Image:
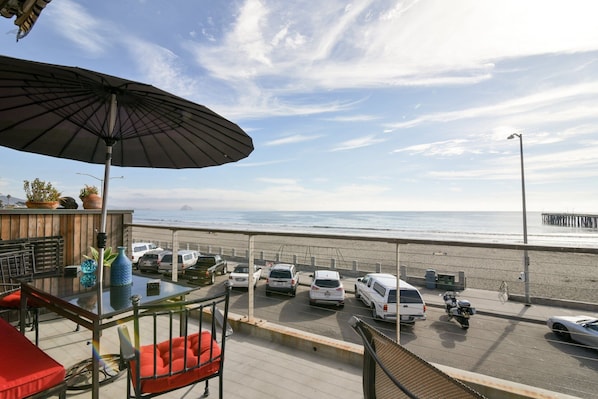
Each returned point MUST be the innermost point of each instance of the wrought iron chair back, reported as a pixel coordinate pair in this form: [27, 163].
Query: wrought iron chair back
[15, 267]
[175, 344]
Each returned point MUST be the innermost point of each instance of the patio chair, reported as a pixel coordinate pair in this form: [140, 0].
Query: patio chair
[391, 371]
[176, 344]
[15, 267]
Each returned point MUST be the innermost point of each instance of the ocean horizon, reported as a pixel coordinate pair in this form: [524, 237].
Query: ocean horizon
[495, 227]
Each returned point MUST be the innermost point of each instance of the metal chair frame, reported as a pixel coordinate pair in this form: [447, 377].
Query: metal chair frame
[15, 267]
[192, 316]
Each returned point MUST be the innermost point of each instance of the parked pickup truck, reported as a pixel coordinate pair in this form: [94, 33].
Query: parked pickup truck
[378, 291]
[206, 268]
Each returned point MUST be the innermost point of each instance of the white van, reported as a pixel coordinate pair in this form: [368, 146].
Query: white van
[378, 291]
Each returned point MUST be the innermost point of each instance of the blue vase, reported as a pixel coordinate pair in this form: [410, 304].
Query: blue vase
[121, 271]
[120, 297]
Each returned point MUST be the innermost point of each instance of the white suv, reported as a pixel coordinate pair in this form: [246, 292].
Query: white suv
[185, 259]
[327, 289]
[283, 278]
[378, 291]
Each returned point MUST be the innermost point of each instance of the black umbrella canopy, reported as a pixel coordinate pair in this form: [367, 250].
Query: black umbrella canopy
[78, 114]
[65, 112]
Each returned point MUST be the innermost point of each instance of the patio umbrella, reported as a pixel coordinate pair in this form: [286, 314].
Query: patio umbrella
[78, 114]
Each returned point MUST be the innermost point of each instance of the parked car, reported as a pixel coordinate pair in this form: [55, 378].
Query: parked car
[139, 249]
[206, 267]
[581, 329]
[378, 291]
[326, 288]
[150, 260]
[186, 258]
[239, 277]
[283, 278]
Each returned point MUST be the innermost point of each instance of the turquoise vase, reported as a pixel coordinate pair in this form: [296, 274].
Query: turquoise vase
[121, 270]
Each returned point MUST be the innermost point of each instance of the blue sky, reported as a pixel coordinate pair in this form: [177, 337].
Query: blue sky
[365, 105]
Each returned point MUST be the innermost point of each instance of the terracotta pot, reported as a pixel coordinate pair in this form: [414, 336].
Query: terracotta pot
[42, 205]
[92, 201]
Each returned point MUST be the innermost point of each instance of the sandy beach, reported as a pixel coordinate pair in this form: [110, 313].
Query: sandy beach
[553, 274]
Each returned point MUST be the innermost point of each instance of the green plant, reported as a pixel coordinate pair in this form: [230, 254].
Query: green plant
[87, 190]
[40, 191]
[109, 256]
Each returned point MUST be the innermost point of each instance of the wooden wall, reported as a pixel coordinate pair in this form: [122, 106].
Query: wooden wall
[78, 227]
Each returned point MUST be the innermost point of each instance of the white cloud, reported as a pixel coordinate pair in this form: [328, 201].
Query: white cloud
[439, 148]
[298, 138]
[77, 25]
[544, 106]
[162, 68]
[358, 143]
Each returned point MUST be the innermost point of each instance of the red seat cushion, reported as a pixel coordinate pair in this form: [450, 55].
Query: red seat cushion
[204, 349]
[13, 300]
[24, 369]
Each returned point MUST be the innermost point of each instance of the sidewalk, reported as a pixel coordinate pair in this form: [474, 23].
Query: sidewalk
[488, 303]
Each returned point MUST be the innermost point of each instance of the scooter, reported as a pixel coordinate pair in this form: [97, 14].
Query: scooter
[460, 309]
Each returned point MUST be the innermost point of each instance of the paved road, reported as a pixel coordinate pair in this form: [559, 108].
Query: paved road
[518, 351]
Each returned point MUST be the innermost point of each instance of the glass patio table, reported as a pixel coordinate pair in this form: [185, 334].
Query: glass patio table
[68, 297]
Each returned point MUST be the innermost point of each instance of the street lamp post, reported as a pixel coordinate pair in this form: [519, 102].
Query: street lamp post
[100, 180]
[525, 256]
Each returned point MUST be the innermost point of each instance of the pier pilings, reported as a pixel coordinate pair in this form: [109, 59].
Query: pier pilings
[571, 220]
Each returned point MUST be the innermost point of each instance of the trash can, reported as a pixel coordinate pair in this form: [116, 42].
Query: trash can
[446, 282]
[431, 278]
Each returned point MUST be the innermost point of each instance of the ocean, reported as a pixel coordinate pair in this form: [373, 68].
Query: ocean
[495, 227]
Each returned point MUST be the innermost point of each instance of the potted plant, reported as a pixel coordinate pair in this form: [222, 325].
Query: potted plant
[109, 256]
[41, 194]
[90, 197]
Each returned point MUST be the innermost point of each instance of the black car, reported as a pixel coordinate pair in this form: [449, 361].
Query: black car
[206, 268]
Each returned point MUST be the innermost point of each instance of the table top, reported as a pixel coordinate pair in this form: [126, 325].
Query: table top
[71, 293]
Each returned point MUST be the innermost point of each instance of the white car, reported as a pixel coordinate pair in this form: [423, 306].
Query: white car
[582, 329]
[239, 277]
[326, 289]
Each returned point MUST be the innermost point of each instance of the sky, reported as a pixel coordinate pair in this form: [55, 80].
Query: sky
[368, 105]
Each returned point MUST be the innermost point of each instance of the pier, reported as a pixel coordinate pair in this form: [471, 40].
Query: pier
[571, 220]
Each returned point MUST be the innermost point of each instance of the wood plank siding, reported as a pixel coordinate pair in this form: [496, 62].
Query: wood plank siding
[78, 228]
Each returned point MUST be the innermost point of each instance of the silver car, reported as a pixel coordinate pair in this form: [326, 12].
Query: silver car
[283, 279]
[150, 260]
[581, 329]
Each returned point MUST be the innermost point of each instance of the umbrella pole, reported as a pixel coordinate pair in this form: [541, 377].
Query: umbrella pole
[102, 238]
[102, 234]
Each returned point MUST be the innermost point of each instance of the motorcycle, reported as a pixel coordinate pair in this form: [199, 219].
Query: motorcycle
[460, 309]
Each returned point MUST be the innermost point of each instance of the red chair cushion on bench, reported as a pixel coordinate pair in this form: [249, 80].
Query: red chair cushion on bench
[205, 348]
[24, 369]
